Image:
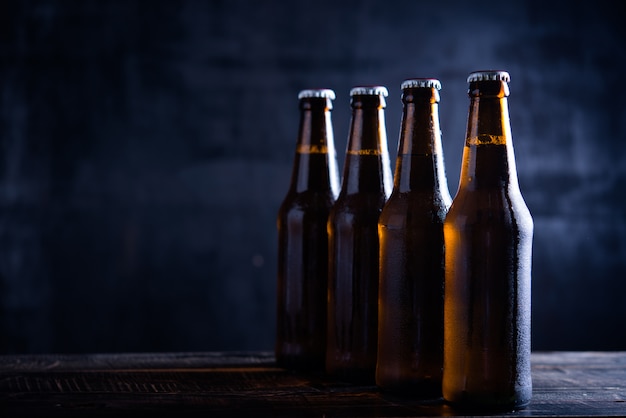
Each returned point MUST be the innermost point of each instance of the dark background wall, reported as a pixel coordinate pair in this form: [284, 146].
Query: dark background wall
[145, 148]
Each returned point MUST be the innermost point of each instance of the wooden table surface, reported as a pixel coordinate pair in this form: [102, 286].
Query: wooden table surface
[249, 384]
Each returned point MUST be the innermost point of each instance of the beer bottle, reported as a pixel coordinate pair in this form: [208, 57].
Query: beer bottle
[410, 228]
[488, 237]
[303, 238]
[353, 241]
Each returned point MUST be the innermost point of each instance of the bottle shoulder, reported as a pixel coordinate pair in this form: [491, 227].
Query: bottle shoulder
[357, 208]
[358, 201]
[417, 201]
[405, 209]
[491, 195]
[307, 201]
[490, 206]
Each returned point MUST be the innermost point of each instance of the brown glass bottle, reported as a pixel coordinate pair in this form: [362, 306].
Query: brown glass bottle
[303, 238]
[488, 237]
[410, 228]
[353, 242]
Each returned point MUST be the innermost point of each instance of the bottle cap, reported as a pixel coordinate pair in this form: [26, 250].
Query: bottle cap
[489, 75]
[323, 93]
[430, 83]
[369, 91]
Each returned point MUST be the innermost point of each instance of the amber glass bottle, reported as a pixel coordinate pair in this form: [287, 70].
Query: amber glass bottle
[353, 241]
[410, 228]
[488, 237]
[303, 238]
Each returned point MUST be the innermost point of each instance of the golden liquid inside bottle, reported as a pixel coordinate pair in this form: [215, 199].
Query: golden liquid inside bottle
[488, 238]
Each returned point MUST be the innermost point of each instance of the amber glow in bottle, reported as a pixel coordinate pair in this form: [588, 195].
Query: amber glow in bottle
[353, 242]
[410, 325]
[303, 238]
[488, 238]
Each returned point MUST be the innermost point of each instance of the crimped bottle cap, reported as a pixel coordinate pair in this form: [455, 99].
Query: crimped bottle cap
[489, 75]
[429, 83]
[323, 93]
[369, 91]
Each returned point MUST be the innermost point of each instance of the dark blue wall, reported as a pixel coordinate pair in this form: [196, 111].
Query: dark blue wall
[146, 146]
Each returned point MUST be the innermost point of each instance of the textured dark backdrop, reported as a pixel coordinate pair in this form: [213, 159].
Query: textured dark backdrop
[146, 146]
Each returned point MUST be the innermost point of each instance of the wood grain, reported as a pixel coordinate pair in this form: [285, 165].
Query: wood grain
[248, 384]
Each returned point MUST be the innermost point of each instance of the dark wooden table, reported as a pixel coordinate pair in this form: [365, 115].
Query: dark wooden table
[249, 384]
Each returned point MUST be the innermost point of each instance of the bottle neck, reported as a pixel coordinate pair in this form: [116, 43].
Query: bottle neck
[419, 164]
[367, 167]
[488, 158]
[315, 164]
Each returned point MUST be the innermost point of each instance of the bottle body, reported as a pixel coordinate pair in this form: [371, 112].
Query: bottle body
[410, 327]
[303, 239]
[488, 237]
[353, 244]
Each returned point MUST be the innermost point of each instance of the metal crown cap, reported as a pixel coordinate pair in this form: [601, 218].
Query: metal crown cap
[489, 75]
[431, 83]
[323, 93]
[369, 91]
